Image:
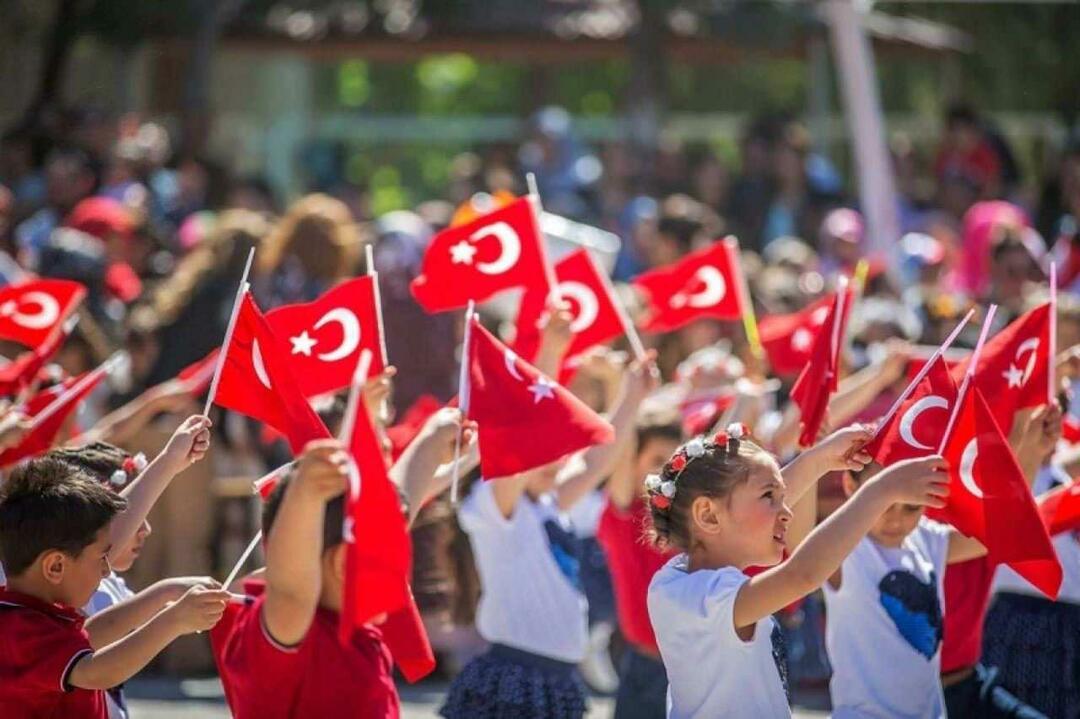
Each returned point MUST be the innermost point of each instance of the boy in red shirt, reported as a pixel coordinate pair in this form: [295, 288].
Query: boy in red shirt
[280, 656]
[54, 544]
[632, 562]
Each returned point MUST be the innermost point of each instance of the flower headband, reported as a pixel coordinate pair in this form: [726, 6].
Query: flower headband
[662, 491]
[128, 470]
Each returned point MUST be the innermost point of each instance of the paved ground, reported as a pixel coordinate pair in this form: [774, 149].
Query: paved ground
[202, 699]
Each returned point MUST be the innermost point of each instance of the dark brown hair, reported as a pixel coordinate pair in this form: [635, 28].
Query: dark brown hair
[98, 459]
[49, 504]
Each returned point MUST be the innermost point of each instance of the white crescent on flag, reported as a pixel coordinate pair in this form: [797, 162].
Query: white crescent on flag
[47, 314]
[509, 358]
[907, 421]
[967, 464]
[260, 368]
[588, 306]
[710, 295]
[509, 248]
[1030, 345]
[350, 331]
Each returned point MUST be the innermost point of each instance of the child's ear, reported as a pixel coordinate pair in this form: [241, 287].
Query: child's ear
[705, 515]
[53, 562]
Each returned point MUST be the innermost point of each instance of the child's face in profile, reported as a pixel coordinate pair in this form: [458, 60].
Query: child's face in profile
[896, 523]
[757, 517]
[81, 575]
[127, 556]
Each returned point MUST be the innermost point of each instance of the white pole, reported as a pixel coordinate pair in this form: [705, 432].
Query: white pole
[1051, 370]
[538, 211]
[968, 376]
[356, 390]
[53, 407]
[369, 251]
[243, 558]
[463, 397]
[244, 286]
[629, 329]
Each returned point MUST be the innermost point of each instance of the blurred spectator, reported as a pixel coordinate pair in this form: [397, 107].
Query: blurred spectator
[70, 176]
[967, 155]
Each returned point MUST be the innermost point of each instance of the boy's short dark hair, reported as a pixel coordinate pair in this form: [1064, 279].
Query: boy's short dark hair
[333, 518]
[48, 504]
[658, 425]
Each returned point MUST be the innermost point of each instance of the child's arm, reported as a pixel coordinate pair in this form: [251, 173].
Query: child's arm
[13, 428]
[914, 481]
[841, 450]
[857, 391]
[642, 378]
[555, 338]
[125, 422]
[416, 471]
[294, 545]
[122, 618]
[188, 445]
[197, 610]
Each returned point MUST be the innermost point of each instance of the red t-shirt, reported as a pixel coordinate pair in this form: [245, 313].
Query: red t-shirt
[632, 562]
[967, 597]
[318, 677]
[39, 645]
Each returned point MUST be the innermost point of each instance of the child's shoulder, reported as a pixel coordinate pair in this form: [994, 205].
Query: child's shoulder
[676, 582]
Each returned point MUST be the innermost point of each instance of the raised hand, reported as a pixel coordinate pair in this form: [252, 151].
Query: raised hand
[921, 481]
[189, 442]
[322, 470]
[198, 609]
[843, 450]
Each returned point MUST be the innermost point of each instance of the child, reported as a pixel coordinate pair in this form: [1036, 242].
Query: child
[115, 608]
[642, 680]
[533, 609]
[280, 656]
[885, 609]
[724, 503]
[54, 542]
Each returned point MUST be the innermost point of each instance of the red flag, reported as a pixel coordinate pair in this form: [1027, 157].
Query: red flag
[919, 424]
[378, 553]
[1013, 366]
[596, 320]
[325, 337]
[703, 284]
[952, 358]
[497, 251]
[524, 419]
[20, 373]
[31, 311]
[1060, 509]
[989, 499]
[198, 375]
[408, 642]
[821, 374]
[49, 410]
[256, 381]
[788, 339]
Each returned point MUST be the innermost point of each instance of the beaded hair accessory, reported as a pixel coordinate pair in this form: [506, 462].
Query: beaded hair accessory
[128, 470]
[662, 491]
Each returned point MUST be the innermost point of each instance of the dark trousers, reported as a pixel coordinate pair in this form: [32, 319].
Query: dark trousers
[980, 697]
[642, 687]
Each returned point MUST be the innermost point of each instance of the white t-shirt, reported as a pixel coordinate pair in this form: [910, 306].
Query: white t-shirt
[112, 590]
[528, 569]
[711, 671]
[883, 631]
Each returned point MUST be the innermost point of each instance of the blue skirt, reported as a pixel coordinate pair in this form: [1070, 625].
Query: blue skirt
[508, 683]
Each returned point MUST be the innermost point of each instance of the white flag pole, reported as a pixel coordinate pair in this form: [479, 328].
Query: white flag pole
[463, 397]
[922, 373]
[973, 363]
[243, 558]
[356, 391]
[369, 252]
[629, 329]
[244, 286]
[1051, 370]
[271, 476]
[53, 407]
[537, 212]
[749, 317]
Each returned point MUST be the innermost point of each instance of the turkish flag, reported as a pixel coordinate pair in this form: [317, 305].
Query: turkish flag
[1060, 509]
[952, 358]
[497, 251]
[596, 320]
[524, 419]
[256, 380]
[325, 337]
[23, 370]
[30, 312]
[405, 637]
[378, 552]
[49, 410]
[198, 375]
[989, 499]
[919, 424]
[821, 375]
[1013, 365]
[788, 339]
[703, 284]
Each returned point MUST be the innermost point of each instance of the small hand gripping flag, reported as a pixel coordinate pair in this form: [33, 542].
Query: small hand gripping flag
[596, 320]
[989, 499]
[821, 375]
[705, 283]
[524, 420]
[31, 311]
[1013, 366]
[1060, 509]
[918, 425]
[256, 381]
[788, 339]
[325, 337]
[497, 251]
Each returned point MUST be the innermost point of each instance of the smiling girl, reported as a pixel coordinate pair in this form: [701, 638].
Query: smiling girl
[724, 502]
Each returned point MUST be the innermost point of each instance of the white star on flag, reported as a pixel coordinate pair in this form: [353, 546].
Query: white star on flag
[302, 344]
[801, 339]
[1014, 375]
[542, 389]
[462, 253]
